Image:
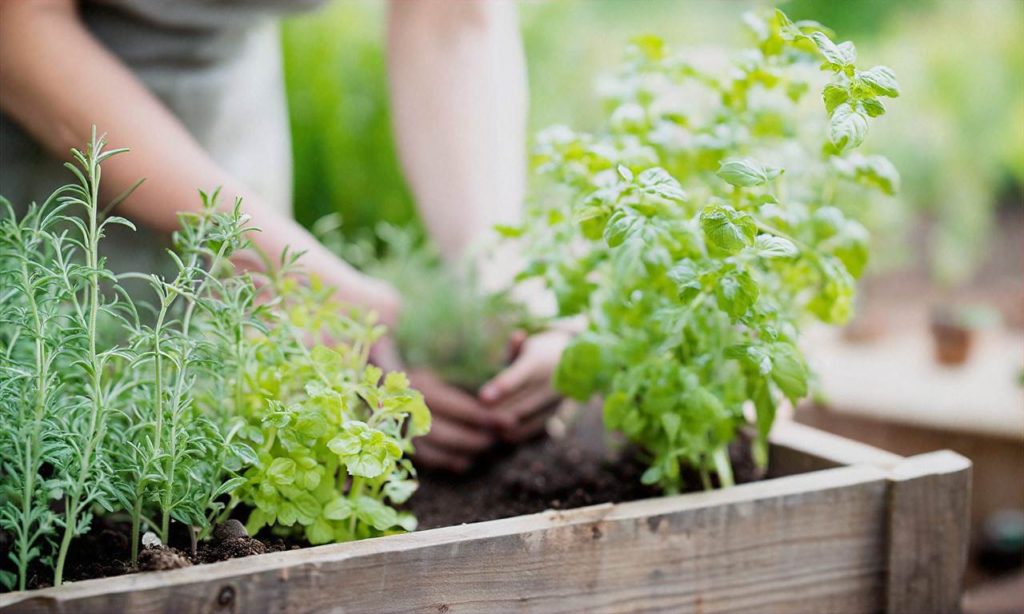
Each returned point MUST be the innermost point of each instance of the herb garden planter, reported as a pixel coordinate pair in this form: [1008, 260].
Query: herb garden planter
[838, 527]
[693, 241]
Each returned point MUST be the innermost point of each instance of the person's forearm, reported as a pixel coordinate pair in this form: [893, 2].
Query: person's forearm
[57, 81]
[458, 89]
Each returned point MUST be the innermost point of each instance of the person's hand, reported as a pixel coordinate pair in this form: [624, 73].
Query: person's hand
[461, 427]
[523, 391]
[385, 354]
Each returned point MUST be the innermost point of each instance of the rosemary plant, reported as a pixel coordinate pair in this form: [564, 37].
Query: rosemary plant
[30, 391]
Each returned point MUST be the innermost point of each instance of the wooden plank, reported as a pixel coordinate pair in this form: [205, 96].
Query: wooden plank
[808, 543]
[995, 462]
[928, 533]
[797, 448]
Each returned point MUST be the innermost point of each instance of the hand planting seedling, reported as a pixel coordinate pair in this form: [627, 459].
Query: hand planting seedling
[455, 327]
[699, 231]
[222, 391]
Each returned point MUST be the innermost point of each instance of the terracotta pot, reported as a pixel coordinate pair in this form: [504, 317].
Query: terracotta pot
[953, 341]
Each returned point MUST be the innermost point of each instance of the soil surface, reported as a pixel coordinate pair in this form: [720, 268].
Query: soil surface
[106, 551]
[543, 474]
[583, 468]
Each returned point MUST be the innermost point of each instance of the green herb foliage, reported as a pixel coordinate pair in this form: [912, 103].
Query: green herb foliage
[33, 398]
[330, 436]
[182, 409]
[181, 452]
[452, 325]
[700, 230]
[55, 358]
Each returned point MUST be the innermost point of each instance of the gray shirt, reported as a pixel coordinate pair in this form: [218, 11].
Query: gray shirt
[216, 65]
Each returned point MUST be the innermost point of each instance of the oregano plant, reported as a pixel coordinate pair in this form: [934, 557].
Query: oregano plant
[331, 433]
[701, 229]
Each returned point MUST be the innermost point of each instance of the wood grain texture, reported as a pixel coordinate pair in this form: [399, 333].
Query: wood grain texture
[929, 526]
[996, 462]
[826, 541]
[806, 543]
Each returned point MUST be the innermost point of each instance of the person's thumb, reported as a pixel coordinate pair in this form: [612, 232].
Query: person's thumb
[505, 383]
[515, 344]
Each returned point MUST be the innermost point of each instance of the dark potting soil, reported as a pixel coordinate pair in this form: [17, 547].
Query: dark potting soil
[584, 468]
[540, 475]
[106, 551]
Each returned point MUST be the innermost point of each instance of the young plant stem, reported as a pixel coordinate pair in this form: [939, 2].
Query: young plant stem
[354, 492]
[705, 478]
[723, 467]
[239, 387]
[181, 378]
[97, 410]
[136, 529]
[25, 537]
[158, 415]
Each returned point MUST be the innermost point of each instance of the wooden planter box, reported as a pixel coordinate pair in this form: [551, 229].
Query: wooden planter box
[842, 527]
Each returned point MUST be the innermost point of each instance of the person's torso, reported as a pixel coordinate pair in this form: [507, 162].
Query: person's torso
[216, 65]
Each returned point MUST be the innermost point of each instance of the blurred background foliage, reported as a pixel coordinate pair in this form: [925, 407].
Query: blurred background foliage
[956, 135]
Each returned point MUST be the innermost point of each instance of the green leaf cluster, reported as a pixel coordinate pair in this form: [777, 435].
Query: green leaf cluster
[181, 408]
[701, 230]
[330, 434]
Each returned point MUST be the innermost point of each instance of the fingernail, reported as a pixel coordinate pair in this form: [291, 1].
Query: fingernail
[488, 394]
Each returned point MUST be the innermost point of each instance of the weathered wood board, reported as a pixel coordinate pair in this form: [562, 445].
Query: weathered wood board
[872, 533]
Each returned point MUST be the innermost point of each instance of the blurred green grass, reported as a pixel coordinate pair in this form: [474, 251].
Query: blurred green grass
[957, 134]
[342, 143]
